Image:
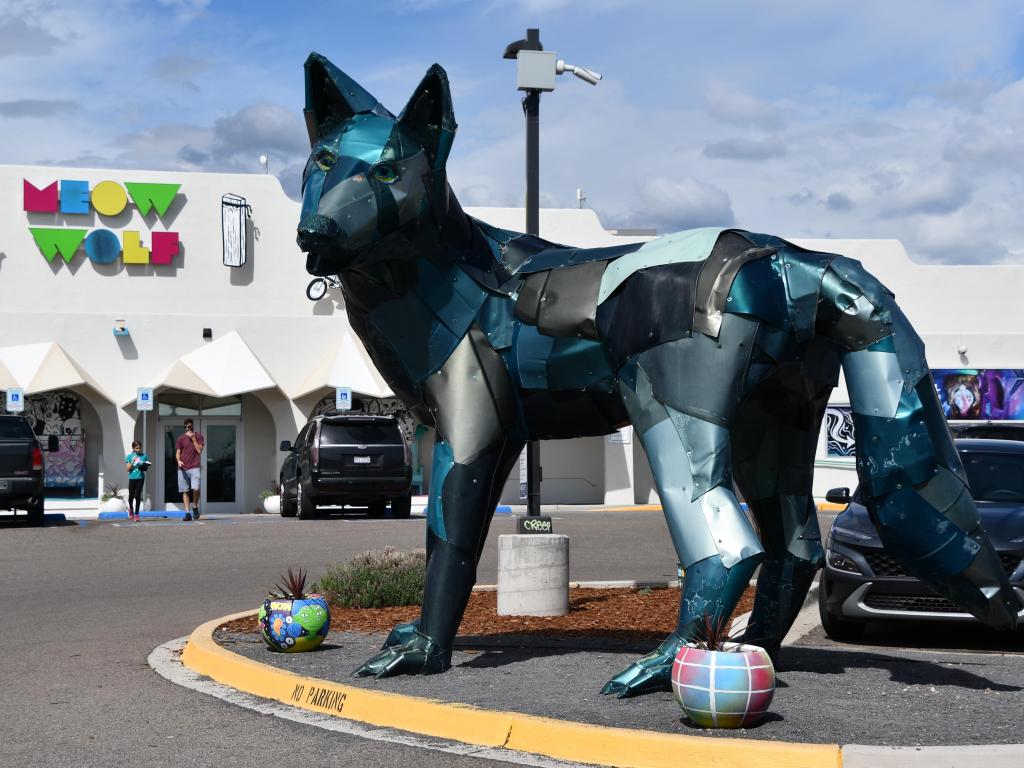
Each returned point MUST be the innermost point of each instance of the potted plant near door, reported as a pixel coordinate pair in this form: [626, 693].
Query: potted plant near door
[112, 499]
[292, 621]
[271, 499]
[720, 683]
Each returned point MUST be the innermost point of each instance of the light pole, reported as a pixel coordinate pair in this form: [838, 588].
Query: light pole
[265, 162]
[535, 73]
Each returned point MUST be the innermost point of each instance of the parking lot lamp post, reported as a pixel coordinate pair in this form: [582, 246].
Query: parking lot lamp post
[535, 73]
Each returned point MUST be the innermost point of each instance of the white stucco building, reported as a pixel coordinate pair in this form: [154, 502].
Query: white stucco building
[244, 352]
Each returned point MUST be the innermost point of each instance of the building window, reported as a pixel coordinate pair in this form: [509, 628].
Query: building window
[174, 405]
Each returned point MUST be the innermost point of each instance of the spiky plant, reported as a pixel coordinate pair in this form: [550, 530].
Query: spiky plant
[292, 586]
[712, 633]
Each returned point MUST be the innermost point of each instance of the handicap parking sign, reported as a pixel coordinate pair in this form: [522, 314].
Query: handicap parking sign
[15, 400]
[343, 399]
[144, 399]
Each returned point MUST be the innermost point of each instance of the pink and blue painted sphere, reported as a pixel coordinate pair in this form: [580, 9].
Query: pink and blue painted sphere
[732, 688]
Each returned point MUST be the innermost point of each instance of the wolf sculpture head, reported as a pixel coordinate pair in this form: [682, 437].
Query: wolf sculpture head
[371, 177]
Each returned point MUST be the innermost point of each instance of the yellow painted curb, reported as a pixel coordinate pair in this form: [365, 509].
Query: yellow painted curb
[560, 739]
[828, 506]
[824, 506]
[631, 508]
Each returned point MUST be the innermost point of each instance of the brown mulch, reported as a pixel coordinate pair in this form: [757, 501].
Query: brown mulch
[616, 613]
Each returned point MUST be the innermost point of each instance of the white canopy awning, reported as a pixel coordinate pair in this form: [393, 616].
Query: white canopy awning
[222, 368]
[348, 366]
[7, 379]
[45, 367]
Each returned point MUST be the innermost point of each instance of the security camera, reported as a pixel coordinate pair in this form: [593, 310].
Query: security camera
[583, 74]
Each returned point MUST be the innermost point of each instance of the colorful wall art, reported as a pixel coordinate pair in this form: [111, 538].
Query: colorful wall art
[988, 394]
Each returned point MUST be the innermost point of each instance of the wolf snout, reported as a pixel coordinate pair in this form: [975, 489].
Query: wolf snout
[316, 232]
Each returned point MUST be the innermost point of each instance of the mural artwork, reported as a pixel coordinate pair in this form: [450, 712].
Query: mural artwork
[988, 394]
[57, 413]
[719, 346]
[839, 437]
[372, 406]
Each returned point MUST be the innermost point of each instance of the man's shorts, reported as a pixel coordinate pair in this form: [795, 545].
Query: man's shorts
[188, 478]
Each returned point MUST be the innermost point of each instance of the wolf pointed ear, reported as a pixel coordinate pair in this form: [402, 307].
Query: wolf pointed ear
[332, 97]
[429, 116]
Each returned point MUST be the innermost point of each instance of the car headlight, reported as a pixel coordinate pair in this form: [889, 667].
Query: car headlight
[841, 562]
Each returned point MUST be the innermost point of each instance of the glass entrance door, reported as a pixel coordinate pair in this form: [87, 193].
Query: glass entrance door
[222, 486]
[221, 475]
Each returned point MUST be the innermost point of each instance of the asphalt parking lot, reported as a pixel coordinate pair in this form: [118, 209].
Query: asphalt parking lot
[116, 590]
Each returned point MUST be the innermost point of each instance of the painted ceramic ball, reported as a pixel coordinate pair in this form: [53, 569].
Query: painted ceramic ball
[294, 625]
[732, 688]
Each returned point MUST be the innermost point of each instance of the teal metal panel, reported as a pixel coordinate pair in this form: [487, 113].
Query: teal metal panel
[441, 465]
[690, 245]
[874, 381]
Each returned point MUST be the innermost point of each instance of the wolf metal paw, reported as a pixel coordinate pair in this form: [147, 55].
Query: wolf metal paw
[647, 674]
[419, 656]
[402, 634]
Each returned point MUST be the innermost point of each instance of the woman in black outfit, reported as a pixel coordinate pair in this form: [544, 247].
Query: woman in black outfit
[136, 463]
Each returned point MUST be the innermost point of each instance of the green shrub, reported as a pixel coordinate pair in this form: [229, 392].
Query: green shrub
[377, 578]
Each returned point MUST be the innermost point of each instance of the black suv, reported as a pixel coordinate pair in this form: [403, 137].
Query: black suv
[21, 467]
[357, 460]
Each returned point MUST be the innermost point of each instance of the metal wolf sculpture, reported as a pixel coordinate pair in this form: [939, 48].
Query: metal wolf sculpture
[720, 346]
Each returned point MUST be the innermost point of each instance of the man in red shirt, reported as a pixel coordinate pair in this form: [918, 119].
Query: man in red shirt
[187, 450]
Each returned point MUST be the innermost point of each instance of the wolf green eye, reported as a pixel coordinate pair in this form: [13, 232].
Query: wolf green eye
[325, 160]
[385, 174]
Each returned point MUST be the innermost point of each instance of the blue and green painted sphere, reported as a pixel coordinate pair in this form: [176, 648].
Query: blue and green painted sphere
[294, 625]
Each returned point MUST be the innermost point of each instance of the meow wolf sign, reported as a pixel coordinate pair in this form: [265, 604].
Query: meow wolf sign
[107, 198]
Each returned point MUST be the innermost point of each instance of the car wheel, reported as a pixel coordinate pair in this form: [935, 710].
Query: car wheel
[377, 508]
[839, 629]
[401, 507]
[306, 503]
[288, 508]
[36, 514]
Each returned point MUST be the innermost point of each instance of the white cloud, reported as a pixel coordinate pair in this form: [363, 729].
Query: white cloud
[179, 69]
[19, 37]
[671, 205]
[838, 201]
[926, 194]
[731, 104]
[186, 10]
[741, 148]
[36, 107]
[876, 120]
[261, 128]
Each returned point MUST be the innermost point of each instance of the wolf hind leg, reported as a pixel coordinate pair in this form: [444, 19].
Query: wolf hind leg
[713, 539]
[775, 436]
[911, 477]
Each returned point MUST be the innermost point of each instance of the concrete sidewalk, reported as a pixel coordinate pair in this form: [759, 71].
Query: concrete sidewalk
[89, 509]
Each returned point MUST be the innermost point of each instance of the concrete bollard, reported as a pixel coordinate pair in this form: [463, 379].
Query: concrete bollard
[533, 575]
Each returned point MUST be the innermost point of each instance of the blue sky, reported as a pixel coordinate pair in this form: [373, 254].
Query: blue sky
[870, 119]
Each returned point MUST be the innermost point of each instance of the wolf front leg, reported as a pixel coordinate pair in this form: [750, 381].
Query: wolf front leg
[911, 477]
[509, 456]
[473, 403]
[713, 539]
